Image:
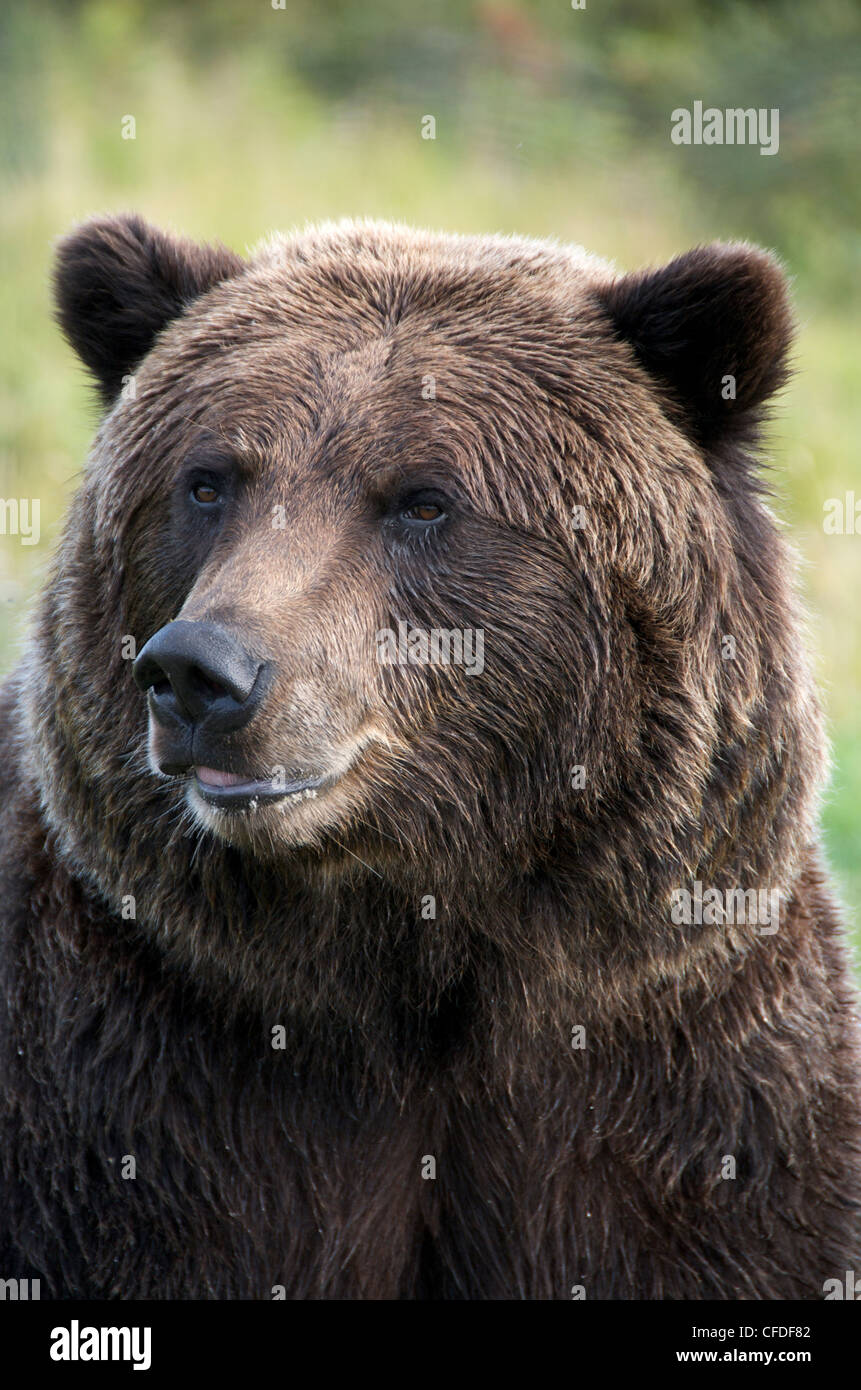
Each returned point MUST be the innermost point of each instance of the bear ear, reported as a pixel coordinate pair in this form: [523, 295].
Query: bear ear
[118, 281]
[715, 328]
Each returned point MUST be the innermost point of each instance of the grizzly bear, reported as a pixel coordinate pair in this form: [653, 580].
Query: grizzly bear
[411, 882]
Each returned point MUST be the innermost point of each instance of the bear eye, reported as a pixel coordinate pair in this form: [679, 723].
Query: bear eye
[205, 494]
[423, 512]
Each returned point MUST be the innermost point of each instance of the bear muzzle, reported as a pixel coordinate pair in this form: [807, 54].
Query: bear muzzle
[202, 686]
[198, 674]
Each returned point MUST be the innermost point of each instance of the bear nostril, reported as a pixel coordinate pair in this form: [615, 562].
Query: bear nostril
[198, 671]
[205, 685]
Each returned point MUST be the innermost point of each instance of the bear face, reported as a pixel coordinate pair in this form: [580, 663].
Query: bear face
[346, 505]
[367, 432]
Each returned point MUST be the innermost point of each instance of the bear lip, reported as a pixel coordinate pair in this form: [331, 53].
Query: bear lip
[233, 790]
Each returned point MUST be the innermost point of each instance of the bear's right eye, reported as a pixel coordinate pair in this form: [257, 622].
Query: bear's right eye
[205, 494]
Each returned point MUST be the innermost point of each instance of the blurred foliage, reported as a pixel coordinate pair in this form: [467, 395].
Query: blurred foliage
[550, 121]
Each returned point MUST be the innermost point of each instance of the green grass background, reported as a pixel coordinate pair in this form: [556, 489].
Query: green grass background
[550, 121]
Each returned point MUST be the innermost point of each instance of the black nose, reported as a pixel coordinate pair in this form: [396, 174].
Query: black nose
[198, 672]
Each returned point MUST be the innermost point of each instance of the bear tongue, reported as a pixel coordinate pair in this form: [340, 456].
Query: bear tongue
[213, 778]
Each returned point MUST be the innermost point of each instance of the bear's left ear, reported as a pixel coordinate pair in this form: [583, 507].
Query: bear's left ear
[118, 282]
[714, 327]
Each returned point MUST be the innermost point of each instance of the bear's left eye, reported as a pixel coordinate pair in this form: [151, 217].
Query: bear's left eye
[205, 494]
[423, 512]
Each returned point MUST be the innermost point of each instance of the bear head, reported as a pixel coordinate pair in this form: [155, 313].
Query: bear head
[433, 558]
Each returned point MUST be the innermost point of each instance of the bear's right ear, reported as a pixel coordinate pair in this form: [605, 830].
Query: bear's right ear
[119, 281]
[715, 328]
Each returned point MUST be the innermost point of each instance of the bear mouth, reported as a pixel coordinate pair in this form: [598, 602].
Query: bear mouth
[231, 791]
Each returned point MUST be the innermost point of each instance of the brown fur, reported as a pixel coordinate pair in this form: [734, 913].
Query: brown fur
[297, 378]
